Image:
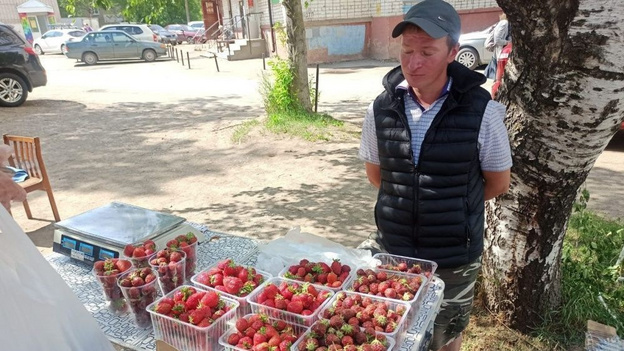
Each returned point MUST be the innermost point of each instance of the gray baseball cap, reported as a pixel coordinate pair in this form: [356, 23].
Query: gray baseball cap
[436, 17]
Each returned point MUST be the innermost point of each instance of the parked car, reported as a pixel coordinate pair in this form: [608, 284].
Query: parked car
[196, 24]
[113, 45]
[53, 41]
[166, 36]
[20, 68]
[184, 32]
[472, 52]
[139, 31]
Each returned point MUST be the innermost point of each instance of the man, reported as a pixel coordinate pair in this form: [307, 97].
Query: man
[436, 147]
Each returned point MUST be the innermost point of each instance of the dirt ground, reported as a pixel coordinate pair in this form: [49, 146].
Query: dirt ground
[158, 135]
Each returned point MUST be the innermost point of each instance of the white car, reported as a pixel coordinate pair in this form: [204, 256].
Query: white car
[472, 52]
[139, 31]
[53, 41]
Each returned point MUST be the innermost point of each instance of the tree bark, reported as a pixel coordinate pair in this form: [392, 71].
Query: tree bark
[298, 53]
[564, 91]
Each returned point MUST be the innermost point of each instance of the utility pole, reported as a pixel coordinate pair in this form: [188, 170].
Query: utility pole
[188, 15]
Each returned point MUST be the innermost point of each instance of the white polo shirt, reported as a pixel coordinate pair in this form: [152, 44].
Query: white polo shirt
[493, 140]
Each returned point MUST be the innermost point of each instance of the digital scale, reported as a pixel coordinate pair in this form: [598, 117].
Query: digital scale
[103, 232]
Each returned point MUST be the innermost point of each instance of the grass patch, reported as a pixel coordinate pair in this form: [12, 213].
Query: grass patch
[242, 131]
[590, 287]
[308, 126]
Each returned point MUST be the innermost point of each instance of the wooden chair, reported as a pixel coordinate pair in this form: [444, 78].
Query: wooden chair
[27, 156]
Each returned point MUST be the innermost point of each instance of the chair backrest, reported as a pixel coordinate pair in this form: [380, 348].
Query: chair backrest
[26, 155]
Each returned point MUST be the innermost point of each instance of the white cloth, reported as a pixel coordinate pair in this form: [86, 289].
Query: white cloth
[493, 141]
[38, 310]
[501, 32]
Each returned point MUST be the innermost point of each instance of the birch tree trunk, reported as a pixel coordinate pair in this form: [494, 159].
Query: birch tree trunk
[297, 53]
[564, 91]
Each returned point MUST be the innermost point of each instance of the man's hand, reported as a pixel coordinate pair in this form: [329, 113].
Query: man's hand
[373, 172]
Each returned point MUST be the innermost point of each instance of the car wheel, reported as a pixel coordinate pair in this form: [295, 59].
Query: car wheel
[13, 90]
[189, 40]
[468, 57]
[38, 50]
[89, 58]
[149, 55]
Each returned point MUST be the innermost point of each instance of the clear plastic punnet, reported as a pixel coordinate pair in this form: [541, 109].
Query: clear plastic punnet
[427, 267]
[244, 307]
[223, 340]
[187, 337]
[398, 334]
[415, 301]
[289, 317]
[389, 345]
[282, 274]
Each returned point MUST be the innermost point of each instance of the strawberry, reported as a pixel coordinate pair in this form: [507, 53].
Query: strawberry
[163, 308]
[336, 267]
[210, 299]
[233, 339]
[139, 252]
[242, 324]
[232, 285]
[192, 302]
[295, 307]
[128, 250]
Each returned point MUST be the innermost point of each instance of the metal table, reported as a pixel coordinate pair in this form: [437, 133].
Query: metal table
[123, 331]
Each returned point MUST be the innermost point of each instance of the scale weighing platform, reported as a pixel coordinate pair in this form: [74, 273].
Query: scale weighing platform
[103, 232]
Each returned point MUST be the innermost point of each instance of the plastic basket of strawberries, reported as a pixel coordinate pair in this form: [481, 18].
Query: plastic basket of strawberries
[139, 288]
[192, 319]
[187, 243]
[332, 276]
[406, 264]
[325, 336]
[139, 253]
[292, 301]
[106, 273]
[354, 310]
[170, 267]
[233, 280]
[400, 286]
[261, 332]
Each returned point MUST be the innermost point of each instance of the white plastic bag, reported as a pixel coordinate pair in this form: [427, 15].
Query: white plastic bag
[38, 310]
[295, 245]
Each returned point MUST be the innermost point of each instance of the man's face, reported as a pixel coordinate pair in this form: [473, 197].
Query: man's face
[424, 59]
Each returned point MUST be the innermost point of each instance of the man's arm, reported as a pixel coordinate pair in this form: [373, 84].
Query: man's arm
[373, 172]
[496, 183]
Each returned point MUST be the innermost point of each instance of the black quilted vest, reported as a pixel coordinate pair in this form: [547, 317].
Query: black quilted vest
[433, 210]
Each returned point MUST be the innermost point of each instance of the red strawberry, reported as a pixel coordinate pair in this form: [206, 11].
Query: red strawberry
[192, 302]
[163, 308]
[336, 267]
[295, 307]
[244, 275]
[139, 252]
[232, 285]
[233, 339]
[259, 338]
[242, 324]
[128, 250]
[210, 299]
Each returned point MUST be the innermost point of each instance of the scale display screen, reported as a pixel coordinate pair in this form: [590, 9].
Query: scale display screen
[83, 251]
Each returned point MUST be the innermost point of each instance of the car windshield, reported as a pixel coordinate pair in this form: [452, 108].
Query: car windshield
[156, 27]
[77, 33]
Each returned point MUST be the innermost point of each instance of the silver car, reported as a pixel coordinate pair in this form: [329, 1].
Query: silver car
[113, 45]
[472, 53]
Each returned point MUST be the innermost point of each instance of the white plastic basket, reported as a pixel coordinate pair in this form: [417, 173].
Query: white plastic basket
[403, 324]
[282, 274]
[415, 302]
[428, 267]
[289, 317]
[295, 346]
[187, 337]
[244, 307]
[298, 329]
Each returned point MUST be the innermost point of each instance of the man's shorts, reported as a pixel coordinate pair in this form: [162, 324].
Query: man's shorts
[454, 313]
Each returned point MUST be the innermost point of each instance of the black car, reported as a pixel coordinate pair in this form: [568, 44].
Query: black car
[20, 68]
[166, 36]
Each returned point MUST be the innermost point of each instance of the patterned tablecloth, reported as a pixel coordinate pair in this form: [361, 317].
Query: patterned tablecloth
[123, 331]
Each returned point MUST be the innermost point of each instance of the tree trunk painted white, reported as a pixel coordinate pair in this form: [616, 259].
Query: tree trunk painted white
[298, 52]
[564, 91]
